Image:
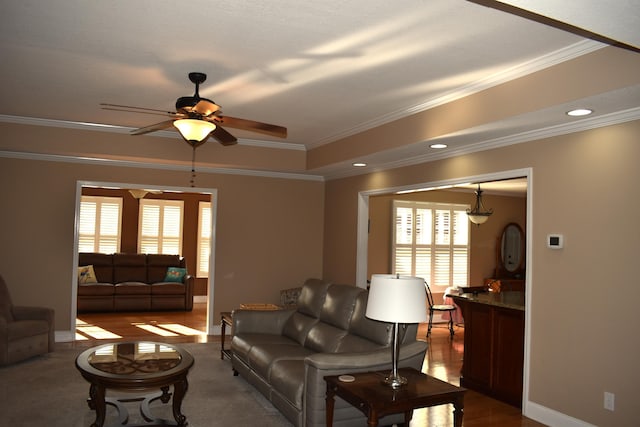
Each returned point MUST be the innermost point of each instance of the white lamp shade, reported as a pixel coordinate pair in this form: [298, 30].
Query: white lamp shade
[396, 299]
[194, 130]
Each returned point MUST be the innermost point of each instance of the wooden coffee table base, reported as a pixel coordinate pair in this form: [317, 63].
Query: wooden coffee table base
[98, 402]
[136, 367]
[376, 400]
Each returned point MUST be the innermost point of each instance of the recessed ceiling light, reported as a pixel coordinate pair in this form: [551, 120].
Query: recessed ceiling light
[438, 146]
[579, 112]
[359, 164]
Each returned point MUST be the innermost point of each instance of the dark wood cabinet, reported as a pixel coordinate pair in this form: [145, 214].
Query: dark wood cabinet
[493, 346]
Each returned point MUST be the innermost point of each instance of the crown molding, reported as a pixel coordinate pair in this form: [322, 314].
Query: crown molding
[529, 67]
[162, 166]
[34, 121]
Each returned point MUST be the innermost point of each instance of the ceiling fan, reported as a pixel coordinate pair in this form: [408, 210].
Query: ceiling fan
[199, 118]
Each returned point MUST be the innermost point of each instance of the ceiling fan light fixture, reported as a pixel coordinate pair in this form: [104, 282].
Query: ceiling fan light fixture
[194, 130]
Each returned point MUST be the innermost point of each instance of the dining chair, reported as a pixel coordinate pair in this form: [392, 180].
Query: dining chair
[441, 308]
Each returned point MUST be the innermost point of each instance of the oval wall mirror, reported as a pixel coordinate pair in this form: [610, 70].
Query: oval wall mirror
[512, 248]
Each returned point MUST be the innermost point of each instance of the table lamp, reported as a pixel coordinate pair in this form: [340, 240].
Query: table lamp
[396, 299]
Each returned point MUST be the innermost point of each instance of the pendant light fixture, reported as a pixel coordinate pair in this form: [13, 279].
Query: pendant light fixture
[479, 214]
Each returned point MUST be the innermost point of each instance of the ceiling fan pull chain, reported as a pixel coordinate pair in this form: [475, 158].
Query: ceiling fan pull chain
[193, 166]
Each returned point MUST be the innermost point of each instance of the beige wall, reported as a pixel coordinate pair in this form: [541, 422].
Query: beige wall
[584, 316]
[483, 238]
[268, 235]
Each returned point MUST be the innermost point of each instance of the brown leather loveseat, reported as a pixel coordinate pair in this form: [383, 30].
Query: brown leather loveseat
[133, 282]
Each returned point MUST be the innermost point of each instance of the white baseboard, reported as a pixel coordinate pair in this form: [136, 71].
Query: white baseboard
[550, 417]
[200, 298]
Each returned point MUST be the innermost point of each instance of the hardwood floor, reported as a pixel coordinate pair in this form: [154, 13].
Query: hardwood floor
[443, 360]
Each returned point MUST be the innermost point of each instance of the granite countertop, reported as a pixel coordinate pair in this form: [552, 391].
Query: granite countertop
[507, 299]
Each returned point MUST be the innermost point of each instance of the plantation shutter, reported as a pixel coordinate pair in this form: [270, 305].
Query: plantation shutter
[99, 224]
[431, 240]
[160, 227]
[204, 239]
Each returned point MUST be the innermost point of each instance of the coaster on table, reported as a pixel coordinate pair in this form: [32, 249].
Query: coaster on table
[347, 378]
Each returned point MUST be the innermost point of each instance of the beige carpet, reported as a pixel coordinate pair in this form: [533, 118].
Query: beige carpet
[49, 391]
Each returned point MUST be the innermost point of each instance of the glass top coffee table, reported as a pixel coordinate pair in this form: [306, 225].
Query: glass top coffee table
[136, 366]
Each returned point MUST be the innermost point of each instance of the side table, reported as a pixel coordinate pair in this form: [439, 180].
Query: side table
[376, 400]
[225, 320]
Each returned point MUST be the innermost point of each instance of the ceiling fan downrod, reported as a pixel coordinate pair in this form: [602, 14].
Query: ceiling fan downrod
[193, 166]
[197, 78]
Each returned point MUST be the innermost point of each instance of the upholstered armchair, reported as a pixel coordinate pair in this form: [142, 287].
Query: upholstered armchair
[24, 331]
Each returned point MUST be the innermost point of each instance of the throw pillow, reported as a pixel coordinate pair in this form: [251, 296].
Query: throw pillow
[175, 274]
[86, 275]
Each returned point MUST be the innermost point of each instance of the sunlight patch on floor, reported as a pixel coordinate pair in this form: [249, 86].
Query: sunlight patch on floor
[156, 330]
[96, 332]
[180, 329]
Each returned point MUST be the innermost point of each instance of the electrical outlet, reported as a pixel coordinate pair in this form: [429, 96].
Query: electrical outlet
[609, 400]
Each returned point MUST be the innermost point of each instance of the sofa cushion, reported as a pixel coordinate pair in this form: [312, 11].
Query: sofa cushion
[324, 338]
[297, 327]
[167, 288]
[354, 344]
[339, 304]
[86, 274]
[242, 344]
[157, 265]
[373, 330]
[262, 356]
[174, 274]
[132, 288]
[287, 378]
[312, 297]
[26, 328]
[129, 268]
[96, 289]
[102, 265]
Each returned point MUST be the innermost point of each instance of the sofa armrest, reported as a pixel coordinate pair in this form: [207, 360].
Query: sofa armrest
[320, 365]
[259, 321]
[33, 313]
[339, 363]
[37, 313]
[189, 283]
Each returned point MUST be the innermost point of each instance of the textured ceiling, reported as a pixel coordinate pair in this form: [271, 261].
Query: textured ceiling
[325, 70]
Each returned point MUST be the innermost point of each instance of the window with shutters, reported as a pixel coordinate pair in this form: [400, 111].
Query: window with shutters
[160, 226]
[431, 240]
[204, 239]
[100, 224]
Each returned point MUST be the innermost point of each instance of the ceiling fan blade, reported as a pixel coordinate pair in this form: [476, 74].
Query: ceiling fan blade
[131, 109]
[167, 114]
[152, 128]
[254, 126]
[223, 137]
[206, 107]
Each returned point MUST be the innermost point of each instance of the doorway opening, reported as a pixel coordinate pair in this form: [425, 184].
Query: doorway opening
[198, 322]
[363, 225]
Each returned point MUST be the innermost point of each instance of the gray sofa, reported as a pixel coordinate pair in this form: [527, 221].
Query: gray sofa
[287, 353]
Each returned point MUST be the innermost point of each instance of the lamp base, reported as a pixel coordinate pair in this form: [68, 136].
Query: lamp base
[394, 381]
